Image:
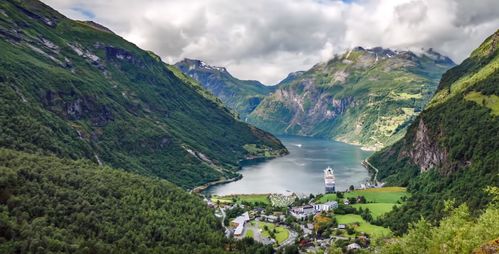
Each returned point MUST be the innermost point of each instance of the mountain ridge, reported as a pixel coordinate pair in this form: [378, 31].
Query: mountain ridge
[77, 91]
[242, 96]
[342, 98]
[451, 151]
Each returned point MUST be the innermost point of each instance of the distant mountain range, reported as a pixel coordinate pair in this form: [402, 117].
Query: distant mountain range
[451, 151]
[242, 96]
[365, 96]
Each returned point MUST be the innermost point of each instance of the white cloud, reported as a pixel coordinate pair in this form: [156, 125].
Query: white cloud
[267, 39]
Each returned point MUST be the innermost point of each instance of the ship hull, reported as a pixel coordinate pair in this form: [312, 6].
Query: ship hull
[330, 189]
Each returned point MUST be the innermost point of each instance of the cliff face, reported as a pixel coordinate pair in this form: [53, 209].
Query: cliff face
[451, 151]
[437, 140]
[365, 96]
[425, 151]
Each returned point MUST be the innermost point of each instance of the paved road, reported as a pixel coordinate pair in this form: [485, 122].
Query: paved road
[291, 238]
[375, 169]
[227, 230]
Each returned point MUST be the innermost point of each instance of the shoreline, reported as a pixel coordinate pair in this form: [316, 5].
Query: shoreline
[205, 186]
[242, 162]
[252, 160]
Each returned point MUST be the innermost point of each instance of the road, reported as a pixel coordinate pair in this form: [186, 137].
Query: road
[291, 239]
[227, 230]
[375, 169]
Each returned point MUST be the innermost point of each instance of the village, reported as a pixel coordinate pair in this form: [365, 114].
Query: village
[309, 223]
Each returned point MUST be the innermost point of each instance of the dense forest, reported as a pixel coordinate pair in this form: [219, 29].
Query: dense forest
[48, 204]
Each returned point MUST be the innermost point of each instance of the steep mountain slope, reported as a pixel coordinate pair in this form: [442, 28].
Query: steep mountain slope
[76, 90]
[240, 95]
[54, 205]
[451, 151]
[365, 96]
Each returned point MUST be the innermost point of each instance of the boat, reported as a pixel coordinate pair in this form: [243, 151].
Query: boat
[329, 180]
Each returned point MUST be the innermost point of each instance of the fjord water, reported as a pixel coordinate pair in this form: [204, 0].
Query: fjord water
[302, 170]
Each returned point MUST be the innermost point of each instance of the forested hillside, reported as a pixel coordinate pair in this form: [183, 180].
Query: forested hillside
[243, 96]
[452, 149]
[364, 96]
[76, 90]
[52, 205]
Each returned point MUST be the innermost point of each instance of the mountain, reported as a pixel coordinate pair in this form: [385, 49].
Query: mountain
[77, 99]
[291, 77]
[242, 96]
[50, 205]
[76, 90]
[54, 205]
[365, 96]
[451, 151]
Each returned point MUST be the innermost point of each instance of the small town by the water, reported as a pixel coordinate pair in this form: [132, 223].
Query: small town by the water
[346, 218]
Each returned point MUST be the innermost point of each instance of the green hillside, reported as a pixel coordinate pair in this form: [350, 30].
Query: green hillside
[76, 90]
[365, 96]
[53, 205]
[242, 96]
[60, 205]
[452, 149]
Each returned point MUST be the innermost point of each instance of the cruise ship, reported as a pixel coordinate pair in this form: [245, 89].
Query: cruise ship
[329, 180]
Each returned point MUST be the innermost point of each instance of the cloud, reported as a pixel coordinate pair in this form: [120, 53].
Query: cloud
[267, 39]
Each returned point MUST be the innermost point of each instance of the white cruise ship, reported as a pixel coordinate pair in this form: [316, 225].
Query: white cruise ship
[329, 180]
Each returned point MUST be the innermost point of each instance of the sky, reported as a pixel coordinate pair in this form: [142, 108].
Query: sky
[267, 39]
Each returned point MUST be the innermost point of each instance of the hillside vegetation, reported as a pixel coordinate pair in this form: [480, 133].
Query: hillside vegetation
[451, 152]
[76, 90]
[53, 205]
[242, 96]
[365, 96]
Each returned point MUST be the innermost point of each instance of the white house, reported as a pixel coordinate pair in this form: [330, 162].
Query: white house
[239, 223]
[326, 206]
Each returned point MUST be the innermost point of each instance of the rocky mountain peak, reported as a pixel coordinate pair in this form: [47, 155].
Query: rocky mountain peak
[192, 64]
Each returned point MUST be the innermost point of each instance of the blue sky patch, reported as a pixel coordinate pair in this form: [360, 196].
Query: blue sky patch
[85, 12]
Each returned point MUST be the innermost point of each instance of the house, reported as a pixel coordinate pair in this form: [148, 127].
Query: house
[326, 206]
[239, 222]
[308, 210]
[269, 218]
[342, 226]
[346, 202]
[353, 246]
[302, 212]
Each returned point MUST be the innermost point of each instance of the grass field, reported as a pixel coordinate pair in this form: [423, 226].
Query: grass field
[489, 101]
[327, 197]
[364, 226]
[380, 195]
[249, 233]
[280, 236]
[250, 198]
[377, 209]
[373, 195]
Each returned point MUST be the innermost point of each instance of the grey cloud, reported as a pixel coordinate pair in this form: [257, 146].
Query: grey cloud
[267, 39]
[413, 12]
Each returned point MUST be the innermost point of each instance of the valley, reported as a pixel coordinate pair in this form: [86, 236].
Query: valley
[118, 140]
[301, 171]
